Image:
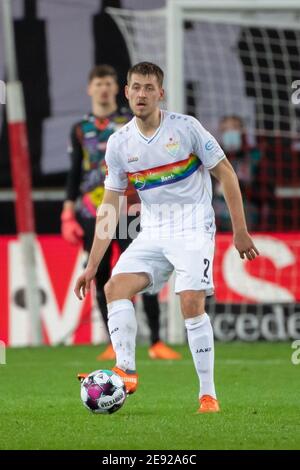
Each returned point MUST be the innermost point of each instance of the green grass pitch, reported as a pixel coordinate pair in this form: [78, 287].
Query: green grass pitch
[258, 388]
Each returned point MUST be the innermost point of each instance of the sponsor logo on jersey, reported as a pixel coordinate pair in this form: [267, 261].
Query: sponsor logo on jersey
[164, 174]
[132, 159]
[209, 145]
[167, 178]
[139, 180]
[213, 148]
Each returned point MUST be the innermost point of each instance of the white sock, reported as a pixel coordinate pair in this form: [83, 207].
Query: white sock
[201, 342]
[122, 327]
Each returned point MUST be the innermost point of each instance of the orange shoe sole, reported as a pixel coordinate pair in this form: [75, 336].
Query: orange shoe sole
[208, 404]
[130, 380]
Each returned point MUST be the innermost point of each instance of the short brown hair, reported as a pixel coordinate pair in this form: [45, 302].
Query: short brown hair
[103, 70]
[233, 117]
[146, 68]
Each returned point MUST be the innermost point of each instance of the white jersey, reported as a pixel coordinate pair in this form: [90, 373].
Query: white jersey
[169, 171]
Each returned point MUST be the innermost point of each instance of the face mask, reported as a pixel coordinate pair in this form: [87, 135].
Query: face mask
[232, 140]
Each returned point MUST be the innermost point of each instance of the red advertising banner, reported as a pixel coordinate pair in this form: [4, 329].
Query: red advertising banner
[272, 278]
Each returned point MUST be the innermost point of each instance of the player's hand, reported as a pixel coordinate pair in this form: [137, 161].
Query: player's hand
[71, 231]
[245, 246]
[83, 283]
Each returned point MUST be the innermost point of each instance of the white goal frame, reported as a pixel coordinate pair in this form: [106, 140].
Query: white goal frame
[237, 11]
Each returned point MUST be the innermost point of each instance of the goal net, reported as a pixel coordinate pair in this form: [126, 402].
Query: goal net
[233, 58]
[228, 60]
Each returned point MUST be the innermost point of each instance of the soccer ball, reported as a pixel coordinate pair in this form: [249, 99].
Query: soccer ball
[103, 392]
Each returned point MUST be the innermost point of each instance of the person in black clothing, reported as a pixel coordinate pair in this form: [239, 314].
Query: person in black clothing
[85, 188]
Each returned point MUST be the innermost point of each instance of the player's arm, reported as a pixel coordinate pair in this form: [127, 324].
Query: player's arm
[70, 228]
[226, 175]
[107, 216]
[105, 227]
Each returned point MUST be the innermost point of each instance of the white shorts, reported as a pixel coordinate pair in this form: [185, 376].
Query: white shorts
[191, 258]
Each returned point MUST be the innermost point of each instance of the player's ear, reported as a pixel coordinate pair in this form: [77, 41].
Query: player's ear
[88, 89]
[162, 94]
[126, 91]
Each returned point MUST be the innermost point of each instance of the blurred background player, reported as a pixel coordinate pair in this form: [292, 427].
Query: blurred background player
[85, 189]
[245, 160]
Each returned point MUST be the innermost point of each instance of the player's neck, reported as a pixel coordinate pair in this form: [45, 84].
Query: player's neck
[150, 124]
[103, 111]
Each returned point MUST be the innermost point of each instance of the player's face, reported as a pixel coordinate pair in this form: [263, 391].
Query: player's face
[103, 90]
[144, 94]
[230, 124]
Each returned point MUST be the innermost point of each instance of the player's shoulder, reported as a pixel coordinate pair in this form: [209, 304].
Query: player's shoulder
[179, 119]
[122, 134]
[123, 116]
[82, 122]
[78, 127]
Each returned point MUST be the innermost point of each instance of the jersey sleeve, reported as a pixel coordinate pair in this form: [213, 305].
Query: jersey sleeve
[205, 145]
[116, 177]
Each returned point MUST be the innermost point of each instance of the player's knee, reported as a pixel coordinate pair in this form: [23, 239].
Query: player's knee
[115, 289]
[111, 290]
[192, 305]
[189, 308]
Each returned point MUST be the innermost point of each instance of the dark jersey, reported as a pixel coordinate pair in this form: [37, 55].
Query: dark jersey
[87, 148]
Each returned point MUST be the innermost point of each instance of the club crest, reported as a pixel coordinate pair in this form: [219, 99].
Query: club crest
[172, 147]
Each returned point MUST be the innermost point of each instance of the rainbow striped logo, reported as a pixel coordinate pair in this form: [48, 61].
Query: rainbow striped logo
[165, 174]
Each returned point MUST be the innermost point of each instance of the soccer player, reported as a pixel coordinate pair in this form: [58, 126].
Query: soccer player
[169, 158]
[85, 189]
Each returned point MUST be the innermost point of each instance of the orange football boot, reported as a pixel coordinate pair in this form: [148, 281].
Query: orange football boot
[130, 380]
[82, 376]
[208, 404]
[107, 355]
[160, 350]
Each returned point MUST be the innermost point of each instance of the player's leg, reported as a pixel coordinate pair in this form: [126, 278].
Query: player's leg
[141, 268]
[193, 259]
[158, 349]
[103, 274]
[122, 322]
[201, 343]
[102, 277]
[151, 307]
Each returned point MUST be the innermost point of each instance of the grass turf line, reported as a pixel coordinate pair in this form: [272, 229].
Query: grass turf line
[257, 385]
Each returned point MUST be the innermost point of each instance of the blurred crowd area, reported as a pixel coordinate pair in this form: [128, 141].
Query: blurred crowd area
[269, 176]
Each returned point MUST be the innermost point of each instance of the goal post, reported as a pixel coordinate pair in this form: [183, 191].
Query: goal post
[21, 176]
